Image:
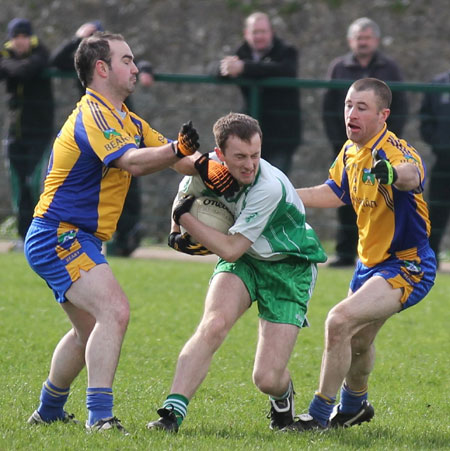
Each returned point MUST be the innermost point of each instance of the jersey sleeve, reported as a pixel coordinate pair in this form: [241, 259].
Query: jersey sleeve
[151, 137]
[337, 178]
[103, 135]
[400, 152]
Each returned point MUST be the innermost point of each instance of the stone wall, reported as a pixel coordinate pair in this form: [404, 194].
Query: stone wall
[185, 36]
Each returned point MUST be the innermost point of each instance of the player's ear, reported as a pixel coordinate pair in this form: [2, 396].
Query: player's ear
[101, 67]
[219, 154]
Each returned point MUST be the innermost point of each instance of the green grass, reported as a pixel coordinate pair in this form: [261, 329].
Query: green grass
[409, 386]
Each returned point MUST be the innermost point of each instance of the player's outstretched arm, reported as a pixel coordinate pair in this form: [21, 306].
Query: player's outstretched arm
[320, 196]
[405, 176]
[148, 160]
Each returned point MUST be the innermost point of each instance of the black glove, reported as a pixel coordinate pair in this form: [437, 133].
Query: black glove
[216, 177]
[383, 170]
[182, 206]
[182, 243]
[187, 141]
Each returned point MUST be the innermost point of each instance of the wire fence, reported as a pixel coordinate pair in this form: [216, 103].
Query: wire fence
[176, 98]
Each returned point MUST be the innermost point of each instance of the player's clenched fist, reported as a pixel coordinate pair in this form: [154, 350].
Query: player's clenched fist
[383, 170]
[182, 243]
[187, 140]
[183, 205]
[216, 177]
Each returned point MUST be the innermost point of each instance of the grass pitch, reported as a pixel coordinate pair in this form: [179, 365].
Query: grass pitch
[409, 387]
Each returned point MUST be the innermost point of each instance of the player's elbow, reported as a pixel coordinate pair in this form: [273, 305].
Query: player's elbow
[231, 253]
[230, 257]
[136, 170]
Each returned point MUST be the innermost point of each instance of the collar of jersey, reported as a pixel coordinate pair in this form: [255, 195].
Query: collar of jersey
[103, 100]
[377, 140]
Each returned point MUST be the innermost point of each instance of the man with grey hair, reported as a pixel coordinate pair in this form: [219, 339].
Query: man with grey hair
[363, 60]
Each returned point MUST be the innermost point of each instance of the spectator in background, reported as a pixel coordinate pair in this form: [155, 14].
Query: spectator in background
[129, 229]
[23, 59]
[435, 130]
[363, 60]
[265, 55]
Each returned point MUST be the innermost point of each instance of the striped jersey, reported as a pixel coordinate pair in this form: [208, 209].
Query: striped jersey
[269, 213]
[82, 187]
[390, 222]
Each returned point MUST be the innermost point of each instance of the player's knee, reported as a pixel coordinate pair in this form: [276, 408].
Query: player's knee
[267, 380]
[213, 329]
[120, 314]
[361, 344]
[336, 326]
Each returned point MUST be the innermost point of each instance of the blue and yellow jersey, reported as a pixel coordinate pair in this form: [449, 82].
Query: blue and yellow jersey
[390, 222]
[82, 186]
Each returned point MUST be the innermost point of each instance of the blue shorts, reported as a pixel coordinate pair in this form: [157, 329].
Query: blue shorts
[414, 272]
[57, 251]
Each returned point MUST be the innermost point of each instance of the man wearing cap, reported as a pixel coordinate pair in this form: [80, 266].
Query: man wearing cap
[23, 59]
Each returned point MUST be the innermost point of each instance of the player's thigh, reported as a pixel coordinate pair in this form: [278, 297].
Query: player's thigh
[98, 292]
[227, 296]
[275, 344]
[374, 301]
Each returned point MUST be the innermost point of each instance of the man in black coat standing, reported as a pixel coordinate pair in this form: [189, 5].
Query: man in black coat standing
[264, 55]
[23, 60]
[435, 130]
[364, 60]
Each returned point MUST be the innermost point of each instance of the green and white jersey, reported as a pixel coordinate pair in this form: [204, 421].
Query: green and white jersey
[269, 213]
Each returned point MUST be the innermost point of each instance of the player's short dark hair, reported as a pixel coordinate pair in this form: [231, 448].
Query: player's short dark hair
[92, 49]
[235, 124]
[381, 90]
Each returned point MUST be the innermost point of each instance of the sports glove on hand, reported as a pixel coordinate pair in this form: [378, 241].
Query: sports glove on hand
[216, 177]
[384, 171]
[182, 243]
[182, 206]
[187, 141]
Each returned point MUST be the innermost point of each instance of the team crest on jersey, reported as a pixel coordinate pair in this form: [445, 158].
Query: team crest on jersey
[137, 140]
[367, 177]
[411, 159]
[251, 217]
[108, 134]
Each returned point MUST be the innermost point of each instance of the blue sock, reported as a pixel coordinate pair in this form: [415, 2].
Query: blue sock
[99, 401]
[351, 400]
[321, 407]
[179, 405]
[52, 403]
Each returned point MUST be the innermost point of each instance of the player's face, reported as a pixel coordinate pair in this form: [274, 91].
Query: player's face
[363, 116]
[242, 158]
[123, 73]
[258, 34]
[364, 43]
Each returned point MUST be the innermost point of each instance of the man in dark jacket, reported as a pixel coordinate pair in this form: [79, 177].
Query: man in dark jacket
[364, 60]
[23, 59]
[265, 55]
[435, 130]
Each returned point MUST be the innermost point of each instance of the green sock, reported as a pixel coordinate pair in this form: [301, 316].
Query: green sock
[286, 395]
[178, 403]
